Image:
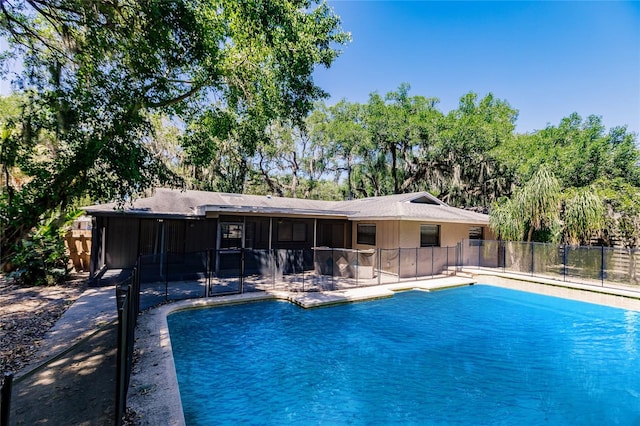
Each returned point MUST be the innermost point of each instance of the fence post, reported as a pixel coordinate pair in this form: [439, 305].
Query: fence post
[602, 265]
[447, 260]
[208, 272]
[432, 264]
[532, 246]
[121, 356]
[357, 266]
[272, 262]
[416, 262]
[504, 256]
[5, 399]
[333, 268]
[478, 245]
[166, 277]
[564, 262]
[241, 283]
[379, 256]
[399, 262]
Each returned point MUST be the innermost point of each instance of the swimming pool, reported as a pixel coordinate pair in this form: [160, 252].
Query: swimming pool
[469, 355]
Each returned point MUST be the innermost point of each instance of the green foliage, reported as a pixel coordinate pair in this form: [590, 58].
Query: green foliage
[538, 199]
[401, 143]
[598, 171]
[580, 151]
[584, 215]
[622, 201]
[533, 208]
[41, 258]
[468, 169]
[97, 73]
[506, 220]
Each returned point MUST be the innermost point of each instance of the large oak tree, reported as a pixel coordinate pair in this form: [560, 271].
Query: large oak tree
[96, 71]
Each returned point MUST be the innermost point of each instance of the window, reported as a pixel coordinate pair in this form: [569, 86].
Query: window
[285, 231]
[299, 232]
[230, 235]
[429, 235]
[367, 234]
[475, 233]
[292, 231]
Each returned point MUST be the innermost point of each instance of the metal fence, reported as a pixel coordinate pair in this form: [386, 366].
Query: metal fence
[5, 398]
[128, 304]
[175, 276]
[592, 265]
[128, 298]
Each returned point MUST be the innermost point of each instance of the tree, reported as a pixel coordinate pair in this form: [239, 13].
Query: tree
[400, 143]
[580, 151]
[215, 157]
[506, 220]
[534, 207]
[467, 170]
[289, 162]
[95, 71]
[583, 216]
[340, 132]
[622, 205]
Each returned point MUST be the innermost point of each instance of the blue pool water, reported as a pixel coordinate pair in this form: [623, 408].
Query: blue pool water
[470, 355]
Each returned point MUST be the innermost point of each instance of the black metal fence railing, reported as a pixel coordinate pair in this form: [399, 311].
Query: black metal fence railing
[128, 299]
[128, 304]
[593, 265]
[5, 398]
[173, 276]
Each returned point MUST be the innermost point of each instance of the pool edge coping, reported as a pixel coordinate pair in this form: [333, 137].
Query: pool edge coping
[154, 392]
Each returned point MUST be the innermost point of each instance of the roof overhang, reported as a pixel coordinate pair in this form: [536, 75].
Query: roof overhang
[141, 214]
[417, 219]
[211, 211]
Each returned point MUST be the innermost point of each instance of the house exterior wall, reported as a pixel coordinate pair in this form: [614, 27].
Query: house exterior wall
[333, 233]
[121, 242]
[126, 238]
[409, 234]
[200, 234]
[488, 233]
[129, 237]
[406, 234]
[453, 233]
[387, 234]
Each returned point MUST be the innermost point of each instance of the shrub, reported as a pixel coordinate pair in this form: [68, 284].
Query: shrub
[41, 258]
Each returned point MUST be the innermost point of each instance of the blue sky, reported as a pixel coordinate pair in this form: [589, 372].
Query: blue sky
[546, 58]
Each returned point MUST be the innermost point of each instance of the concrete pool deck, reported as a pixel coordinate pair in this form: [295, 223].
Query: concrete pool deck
[154, 394]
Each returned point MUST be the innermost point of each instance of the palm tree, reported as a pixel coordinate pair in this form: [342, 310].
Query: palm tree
[539, 200]
[584, 214]
[534, 207]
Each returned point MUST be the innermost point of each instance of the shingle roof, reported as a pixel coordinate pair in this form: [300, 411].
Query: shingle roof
[413, 206]
[175, 203]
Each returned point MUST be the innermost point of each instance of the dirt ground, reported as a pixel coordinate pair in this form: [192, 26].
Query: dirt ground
[27, 313]
[77, 388]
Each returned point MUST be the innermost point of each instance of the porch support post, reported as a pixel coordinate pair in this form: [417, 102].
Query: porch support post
[315, 240]
[103, 245]
[94, 261]
[315, 232]
[272, 256]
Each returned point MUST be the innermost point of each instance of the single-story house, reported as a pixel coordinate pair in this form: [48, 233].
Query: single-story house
[174, 221]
